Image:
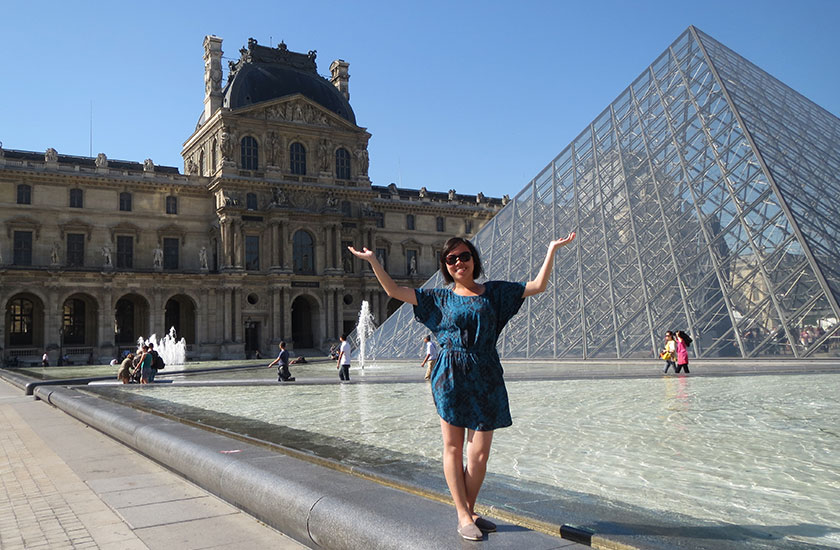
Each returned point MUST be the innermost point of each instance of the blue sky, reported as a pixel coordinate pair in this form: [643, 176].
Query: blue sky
[476, 96]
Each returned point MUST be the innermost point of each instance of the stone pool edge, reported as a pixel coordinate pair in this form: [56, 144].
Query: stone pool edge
[312, 503]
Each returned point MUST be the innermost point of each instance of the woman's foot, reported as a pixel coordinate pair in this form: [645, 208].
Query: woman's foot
[469, 531]
[484, 525]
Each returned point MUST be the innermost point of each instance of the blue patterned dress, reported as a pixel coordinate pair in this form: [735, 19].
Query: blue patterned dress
[467, 382]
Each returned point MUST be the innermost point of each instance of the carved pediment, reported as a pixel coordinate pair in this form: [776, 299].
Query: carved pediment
[411, 244]
[75, 226]
[297, 109]
[23, 223]
[171, 230]
[125, 228]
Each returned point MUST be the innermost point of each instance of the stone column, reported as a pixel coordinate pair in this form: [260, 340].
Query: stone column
[237, 315]
[284, 243]
[287, 315]
[227, 316]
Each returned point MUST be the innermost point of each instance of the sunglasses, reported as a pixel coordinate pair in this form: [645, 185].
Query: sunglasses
[463, 256]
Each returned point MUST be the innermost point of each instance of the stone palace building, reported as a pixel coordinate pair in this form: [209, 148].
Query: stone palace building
[243, 249]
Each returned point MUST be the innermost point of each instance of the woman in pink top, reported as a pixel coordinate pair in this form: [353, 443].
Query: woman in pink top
[683, 341]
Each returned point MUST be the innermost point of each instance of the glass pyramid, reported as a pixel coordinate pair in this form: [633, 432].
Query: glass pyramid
[704, 199]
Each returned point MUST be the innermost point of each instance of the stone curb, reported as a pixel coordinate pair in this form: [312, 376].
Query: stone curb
[313, 504]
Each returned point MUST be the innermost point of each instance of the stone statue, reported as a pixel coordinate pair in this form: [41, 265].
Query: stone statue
[106, 253]
[148, 165]
[226, 143]
[332, 201]
[101, 161]
[323, 155]
[364, 161]
[505, 200]
[158, 257]
[202, 257]
[423, 193]
[479, 198]
[279, 198]
[54, 254]
[412, 266]
[273, 154]
[381, 258]
[451, 194]
[51, 155]
[192, 168]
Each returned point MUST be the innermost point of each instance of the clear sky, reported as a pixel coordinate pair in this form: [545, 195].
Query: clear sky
[475, 96]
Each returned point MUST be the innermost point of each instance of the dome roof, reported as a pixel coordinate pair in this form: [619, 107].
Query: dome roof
[263, 73]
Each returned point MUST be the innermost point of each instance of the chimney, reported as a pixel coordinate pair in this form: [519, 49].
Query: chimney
[212, 75]
[341, 77]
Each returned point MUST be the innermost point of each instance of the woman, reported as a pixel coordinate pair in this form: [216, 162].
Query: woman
[670, 351]
[683, 341]
[467, 382]
[124, 373]
[145, 364]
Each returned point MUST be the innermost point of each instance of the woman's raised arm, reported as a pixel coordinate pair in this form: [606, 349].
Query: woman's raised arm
[402, 293]
[541, 280]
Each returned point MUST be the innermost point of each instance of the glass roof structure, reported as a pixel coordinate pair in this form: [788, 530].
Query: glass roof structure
[704, 199]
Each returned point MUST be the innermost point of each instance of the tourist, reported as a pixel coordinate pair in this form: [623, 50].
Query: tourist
[467, 384]
[155, 356]
[145, 364]
[343, 364]
[669, 352]
[45, 360]
[282, 362]
[683, 342]
[431, 356]
[124, 374]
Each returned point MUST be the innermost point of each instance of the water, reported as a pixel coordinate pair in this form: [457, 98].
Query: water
[762, 452]
[172, 350]
[364, 330]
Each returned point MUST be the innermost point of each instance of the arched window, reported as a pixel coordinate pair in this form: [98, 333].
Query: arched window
[342, 164]
[201, 164]
[250, 154]
[297, 159]
[73, 326]
[213, 157]
[21, 322]
[303, 251]
[24, 194]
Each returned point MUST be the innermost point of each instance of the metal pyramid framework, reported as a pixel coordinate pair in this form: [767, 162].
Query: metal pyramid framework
[704, 198]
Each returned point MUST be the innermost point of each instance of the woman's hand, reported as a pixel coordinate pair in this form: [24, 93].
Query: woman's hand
[364, 253]
[558, 243]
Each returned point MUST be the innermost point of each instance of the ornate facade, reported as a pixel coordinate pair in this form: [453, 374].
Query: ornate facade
[243, 249]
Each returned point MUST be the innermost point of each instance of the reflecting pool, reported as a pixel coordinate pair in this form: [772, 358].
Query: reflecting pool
[758, 452]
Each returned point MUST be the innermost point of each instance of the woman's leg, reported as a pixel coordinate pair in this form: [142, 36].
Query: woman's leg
[478, 452]
[453, 469]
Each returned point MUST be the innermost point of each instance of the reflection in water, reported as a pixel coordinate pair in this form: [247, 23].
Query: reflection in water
[754, 451]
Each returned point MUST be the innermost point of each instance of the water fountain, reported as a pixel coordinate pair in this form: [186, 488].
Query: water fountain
[172, 350]
[364, 330]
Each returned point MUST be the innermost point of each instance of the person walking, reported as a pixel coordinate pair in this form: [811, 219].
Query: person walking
[683, 342]
[467, 382]
[669, 352]
[431, 356]
[344, 359]
[282, 362]
[155, 356]
[45, 360]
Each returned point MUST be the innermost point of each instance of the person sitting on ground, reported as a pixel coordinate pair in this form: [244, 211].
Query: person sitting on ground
[124, 374]
[282, 362]
[298, 360]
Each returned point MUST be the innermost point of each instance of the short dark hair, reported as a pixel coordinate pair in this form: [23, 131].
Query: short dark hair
[343, 337]
[427, 337]
[282, 343]
[451, 245]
